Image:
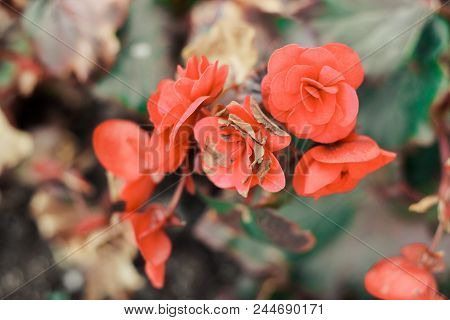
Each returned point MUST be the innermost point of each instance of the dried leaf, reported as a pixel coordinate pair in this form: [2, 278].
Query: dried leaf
[75, 34]
[283, 232]
[263, 169]
[424, 204]
[283, 7]
[258, 153]
[212, 158]
[263, 119]
[242, 126]
[106, 261]
[229, 39]
[15, 144]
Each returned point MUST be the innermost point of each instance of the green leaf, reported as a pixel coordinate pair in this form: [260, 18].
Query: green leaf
[221, 206]
[370, 28]
[392, 110]
[7, 73]
[143, 60]
[325, 217]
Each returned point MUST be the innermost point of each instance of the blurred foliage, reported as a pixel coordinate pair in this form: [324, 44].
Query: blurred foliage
[143, 60]
[383, 32]
[392, 108]
[325, 218]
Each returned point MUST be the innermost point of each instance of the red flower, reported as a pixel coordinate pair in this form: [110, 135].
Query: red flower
[152, 241]
[405, 277]
[312, 90]
[116, 144]
[237, 148]
[338, 167]
[173, 110]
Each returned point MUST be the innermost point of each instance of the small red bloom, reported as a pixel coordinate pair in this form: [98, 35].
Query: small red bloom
[116, 144]
[237, 148]
[173, 110]
[338, 167]
[312, 90]
[404, 277]
[152, 241]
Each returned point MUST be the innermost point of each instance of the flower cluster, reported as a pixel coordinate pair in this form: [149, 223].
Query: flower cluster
[407, 276]
[309, 92]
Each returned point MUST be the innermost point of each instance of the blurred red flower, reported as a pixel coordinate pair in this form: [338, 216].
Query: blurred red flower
[338, 167]
[152, 241]
[237, 148]
[405, 277]
[116, 144]
[312, 90]
[173, 110]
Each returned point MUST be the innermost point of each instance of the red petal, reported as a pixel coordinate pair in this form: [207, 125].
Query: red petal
[116, 144]
[347, 104]
[295, 76]
[284, 57]
[318, 57]
[348, 63]
[310, 175]
[274, 180]
[155, 274]
[355, 148]
[397, 278]
[322, 110]
[329, 76]
[147, 222]
[155, 247]
[136, 192]
[360, 170]
[152, 103]
[279, 96]
[160, 157]
[187, 113]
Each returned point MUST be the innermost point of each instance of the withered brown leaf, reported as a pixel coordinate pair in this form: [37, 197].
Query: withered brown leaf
[230, 39]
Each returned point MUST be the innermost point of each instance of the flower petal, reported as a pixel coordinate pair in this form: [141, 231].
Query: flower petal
[155, 274]
[348, 63]
[116, 144]
[155, 247]
[353, 149]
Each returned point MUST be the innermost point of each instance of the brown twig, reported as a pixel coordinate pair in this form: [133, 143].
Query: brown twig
[438, 113]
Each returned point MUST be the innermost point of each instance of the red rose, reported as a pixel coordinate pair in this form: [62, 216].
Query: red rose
[338, 167]
[116, 144]
[237, 148]
[312, 90]
[173, 110]
[404, 277]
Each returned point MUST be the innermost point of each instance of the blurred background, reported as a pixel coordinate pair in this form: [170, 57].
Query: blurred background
[67, 65]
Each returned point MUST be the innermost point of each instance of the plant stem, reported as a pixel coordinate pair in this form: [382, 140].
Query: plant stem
[438, 116]
[437, 237]
[176, 196]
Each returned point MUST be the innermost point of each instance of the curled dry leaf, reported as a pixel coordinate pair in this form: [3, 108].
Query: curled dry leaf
[228, 39]
[282, 232]
[424, 204]
[106, 262]
[78, 33]
[16, 144]
[283, 7]
[80, 235]
[54, 215]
